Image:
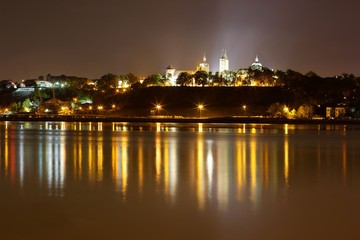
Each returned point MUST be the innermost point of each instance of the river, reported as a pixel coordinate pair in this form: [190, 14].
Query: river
[68, 180]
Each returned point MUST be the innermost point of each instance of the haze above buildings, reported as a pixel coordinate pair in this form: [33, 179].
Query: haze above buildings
[92, 38]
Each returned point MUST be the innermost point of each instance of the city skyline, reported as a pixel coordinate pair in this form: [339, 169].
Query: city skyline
[89, 38]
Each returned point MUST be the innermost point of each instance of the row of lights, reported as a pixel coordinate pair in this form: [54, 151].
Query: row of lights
[200, 107]
[100, 107]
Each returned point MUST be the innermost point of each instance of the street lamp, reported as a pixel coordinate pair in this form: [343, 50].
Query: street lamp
[200, 107]
[158, 108]
[244, 109]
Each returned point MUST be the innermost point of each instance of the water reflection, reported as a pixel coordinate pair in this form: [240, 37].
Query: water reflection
[214, 166]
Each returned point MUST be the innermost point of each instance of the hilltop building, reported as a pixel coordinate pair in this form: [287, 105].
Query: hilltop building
[256, 65]
[204, 66]
[172, 74]
[224, 71]
[223, 63]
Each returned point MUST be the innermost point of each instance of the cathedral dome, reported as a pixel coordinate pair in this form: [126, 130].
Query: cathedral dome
[256, 65]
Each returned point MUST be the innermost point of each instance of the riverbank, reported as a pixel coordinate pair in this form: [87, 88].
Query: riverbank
[174, 119]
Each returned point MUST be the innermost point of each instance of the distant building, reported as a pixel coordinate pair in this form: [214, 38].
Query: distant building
[204, 66]
[170, 74]
[330, 112]
[7, 85]
[223, 63]
[256, 65]
[336, 112]
[55, 106]
[43, 84]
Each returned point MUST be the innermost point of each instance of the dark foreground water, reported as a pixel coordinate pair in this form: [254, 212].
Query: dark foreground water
[178, 181]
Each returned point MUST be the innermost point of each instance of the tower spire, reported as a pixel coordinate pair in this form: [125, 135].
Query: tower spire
[204, 58]
[224, 54]
[224, 63]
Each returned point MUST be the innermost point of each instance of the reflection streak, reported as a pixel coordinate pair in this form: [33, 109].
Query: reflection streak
[241, 168]
[286, 161]
[124, 167]
[200, 188]
[210, 168]
[253, 171]
[344, 162]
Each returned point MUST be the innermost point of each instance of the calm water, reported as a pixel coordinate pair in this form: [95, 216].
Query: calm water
[178, 181]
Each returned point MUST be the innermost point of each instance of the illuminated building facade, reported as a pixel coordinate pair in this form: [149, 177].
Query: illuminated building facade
[256, 65]
[204, 66]
[223, 63]
[172, 74]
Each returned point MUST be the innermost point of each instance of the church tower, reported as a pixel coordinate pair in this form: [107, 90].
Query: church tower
[204, 66]
[224, 63]
[170, 74]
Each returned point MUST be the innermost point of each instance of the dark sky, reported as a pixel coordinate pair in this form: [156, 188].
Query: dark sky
[90, 38]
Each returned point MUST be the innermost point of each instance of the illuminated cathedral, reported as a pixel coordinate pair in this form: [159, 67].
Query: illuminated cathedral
[172, 74]
[204, 66]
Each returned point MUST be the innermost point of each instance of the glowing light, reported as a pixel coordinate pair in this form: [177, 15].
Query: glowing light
[244, 109]
[158, 107]
[200, 108]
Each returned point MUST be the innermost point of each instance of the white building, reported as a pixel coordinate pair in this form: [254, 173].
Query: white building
[223, 63]
[172, 74]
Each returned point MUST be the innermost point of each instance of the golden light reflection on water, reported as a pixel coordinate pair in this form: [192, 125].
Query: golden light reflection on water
[218, 167]
[124, 167]
[254, 191]
[286, 161]
[241, 169]
[78, 159]
[141, 165]
[158, 159]
[200, 181]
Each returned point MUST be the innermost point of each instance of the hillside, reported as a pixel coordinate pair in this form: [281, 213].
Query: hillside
[218, 101]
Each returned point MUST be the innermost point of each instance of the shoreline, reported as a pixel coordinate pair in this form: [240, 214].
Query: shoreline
[164, 119]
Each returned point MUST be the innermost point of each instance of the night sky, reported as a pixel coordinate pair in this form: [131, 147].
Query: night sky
[90, 38]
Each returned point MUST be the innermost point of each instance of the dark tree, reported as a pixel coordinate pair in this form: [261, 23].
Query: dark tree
[184, 79]
[106, 82]
[201, 78]
[153, 80]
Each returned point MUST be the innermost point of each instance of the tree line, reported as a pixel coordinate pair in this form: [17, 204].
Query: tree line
[308, 89]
